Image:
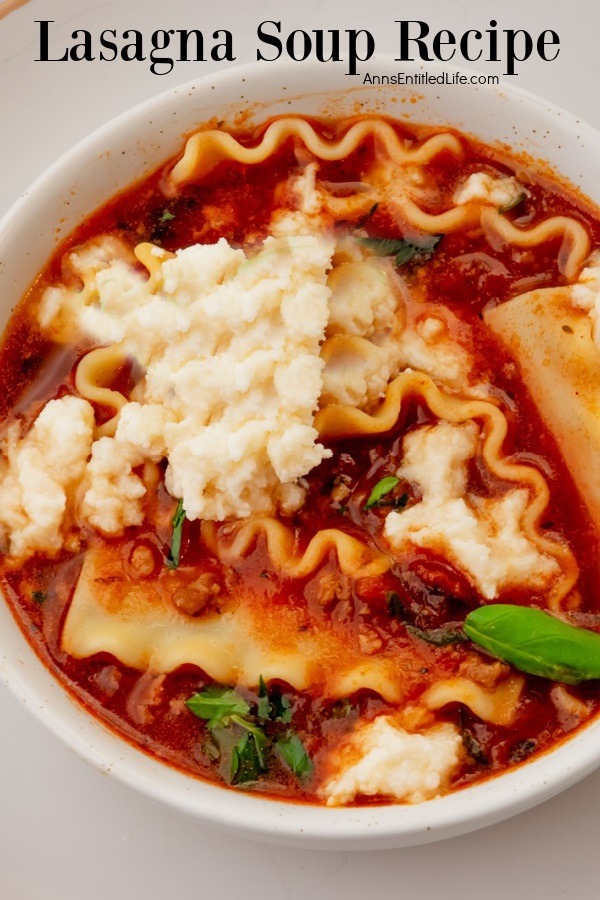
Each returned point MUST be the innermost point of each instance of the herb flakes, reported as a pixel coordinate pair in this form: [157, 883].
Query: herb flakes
[403, 251]
[292, 751]
[381, 489]
[217, 704]
[175, 550]
[439, 637]
[238, 738]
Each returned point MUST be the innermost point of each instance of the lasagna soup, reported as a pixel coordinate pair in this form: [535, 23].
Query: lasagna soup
[299, 478]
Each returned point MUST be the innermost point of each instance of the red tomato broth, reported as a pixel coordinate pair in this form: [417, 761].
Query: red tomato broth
[236, 202]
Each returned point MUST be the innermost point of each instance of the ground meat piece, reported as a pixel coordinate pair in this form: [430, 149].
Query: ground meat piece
[487, 674]
[198, 596]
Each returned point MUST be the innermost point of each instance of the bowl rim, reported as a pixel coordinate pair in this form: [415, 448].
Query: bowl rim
[242, 813]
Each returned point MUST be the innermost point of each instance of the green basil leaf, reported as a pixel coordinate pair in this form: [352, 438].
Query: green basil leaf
[440, 637]
[536, 642]
[424, 248]
[292, 751]
[274, 706]
[264, 704]
[394, 502]
[382, 246]
[245, 765]
[403, 250]
[512, 204]
[258, 738]
[282, 709]
[175, 551]
[380, 490]
[217, 704]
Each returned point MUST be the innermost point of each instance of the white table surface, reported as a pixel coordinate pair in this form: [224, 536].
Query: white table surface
[69, 833]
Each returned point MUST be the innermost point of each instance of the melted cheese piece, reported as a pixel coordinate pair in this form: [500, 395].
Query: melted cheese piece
[136, 623]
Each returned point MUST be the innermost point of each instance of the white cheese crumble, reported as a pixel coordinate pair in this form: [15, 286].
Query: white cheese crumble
[481, 537]
[365, 303]
[231, 347]
[41, 472]
[501, 191]
[114, 492]
[430, 349]
[585, 293]
[370, 301]
[384, 760]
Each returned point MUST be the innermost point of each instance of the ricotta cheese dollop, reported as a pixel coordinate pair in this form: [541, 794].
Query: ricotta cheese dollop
[382, 759]
[481, 537]
[230, 347]
[40, 473]
[502, 191]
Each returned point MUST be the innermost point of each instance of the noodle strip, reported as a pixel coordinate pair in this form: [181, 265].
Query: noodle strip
[335, 422]
[355, 558]
[206, 149]
[94, 371]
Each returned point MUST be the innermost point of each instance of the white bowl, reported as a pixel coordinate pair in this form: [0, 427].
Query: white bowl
[109, 160]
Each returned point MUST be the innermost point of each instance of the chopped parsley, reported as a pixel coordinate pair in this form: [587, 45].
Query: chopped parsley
[38, 596]
[403, 251]
[175, 551]
[166, 216]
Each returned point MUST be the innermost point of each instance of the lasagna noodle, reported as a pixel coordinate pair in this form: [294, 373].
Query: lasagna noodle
[236, 540]
[336, 422]
[206, 149]
[152, 258]
[137, 624]
[560, 365]
[93, 372]
[384, 182]
[498, 705]
[575, 245]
